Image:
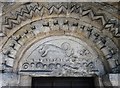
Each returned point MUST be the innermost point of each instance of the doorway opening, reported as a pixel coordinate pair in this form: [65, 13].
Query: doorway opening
[63, 82]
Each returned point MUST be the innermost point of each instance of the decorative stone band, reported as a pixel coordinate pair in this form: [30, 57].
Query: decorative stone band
[66, 26]
[64, 19]
[41, 10]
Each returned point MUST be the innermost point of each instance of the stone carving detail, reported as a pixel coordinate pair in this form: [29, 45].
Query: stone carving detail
[63, 60]
[113, 26]
[31, 9]
[71, 24]
[102, 42]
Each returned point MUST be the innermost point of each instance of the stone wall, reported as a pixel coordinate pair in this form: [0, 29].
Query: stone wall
[26, 24]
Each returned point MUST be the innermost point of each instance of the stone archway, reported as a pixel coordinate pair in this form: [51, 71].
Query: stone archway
[60, 56]
[33, 27]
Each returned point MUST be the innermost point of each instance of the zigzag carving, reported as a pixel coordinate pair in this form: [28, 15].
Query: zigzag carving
[94, 16]
[21, 16]
[28, 13]
[57, 10]
[75, 9]
[112, 25]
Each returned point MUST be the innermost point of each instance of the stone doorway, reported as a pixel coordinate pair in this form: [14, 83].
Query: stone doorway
[63, 82]
[58, 39]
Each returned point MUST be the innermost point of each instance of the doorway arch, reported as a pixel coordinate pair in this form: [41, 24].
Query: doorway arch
[34, 22]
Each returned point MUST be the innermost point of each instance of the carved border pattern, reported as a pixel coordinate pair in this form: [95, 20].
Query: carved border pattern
[29, 11]
[103, 43]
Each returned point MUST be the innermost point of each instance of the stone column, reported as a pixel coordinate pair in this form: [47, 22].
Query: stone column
[99, 80]
[25, 80]
[106, 81]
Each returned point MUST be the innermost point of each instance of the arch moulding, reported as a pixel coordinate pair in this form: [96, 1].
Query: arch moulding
[60, 39]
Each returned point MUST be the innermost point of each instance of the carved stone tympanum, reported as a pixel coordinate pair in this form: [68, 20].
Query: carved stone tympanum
[61, 56]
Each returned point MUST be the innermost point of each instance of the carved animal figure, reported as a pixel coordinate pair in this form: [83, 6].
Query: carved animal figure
[52, 52]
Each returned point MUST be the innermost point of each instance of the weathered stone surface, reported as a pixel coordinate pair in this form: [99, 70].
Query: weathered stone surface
[1, 58]
[26, 24]
[9, 79]
[61, 56]
[115, 79]
[25, 80]
[0, 79]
